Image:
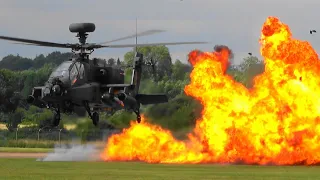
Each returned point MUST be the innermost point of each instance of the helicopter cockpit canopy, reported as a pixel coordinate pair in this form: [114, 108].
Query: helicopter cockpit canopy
[62, 71]
[69, 71]
[77, 72]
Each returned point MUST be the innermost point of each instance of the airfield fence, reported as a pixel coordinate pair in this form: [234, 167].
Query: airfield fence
[55, 136]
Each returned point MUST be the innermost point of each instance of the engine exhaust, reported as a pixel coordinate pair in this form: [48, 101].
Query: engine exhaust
[122, 96]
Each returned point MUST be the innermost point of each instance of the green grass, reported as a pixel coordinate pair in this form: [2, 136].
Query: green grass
[32, 169]
[25, 150]
[28, 144]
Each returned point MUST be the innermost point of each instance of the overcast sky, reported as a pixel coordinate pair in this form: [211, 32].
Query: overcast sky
[235, 23]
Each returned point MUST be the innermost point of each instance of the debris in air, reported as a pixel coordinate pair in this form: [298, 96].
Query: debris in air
[312, 31]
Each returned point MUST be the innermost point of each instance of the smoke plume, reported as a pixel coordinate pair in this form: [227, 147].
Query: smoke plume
[79, 152]
[74, 152]
[219, 48]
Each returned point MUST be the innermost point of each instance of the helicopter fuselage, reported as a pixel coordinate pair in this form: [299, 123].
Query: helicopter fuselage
[81, 82]
[74, 82]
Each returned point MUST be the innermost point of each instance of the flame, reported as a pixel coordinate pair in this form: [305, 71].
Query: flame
[277, 121]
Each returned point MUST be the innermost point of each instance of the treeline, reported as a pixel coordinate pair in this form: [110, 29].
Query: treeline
[18, 75]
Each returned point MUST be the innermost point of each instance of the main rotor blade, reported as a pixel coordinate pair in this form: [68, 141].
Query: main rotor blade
[30, 44]
[144, 33]
[24, 43]
[151, 44]
[35, 42]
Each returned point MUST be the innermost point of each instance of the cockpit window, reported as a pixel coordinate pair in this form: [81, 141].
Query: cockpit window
[62, 70]
[81, 71]
[74, 72]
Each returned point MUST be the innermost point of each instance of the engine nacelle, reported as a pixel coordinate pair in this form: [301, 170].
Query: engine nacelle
[110, 100]
[122, 96]
[128, 101]
[106, 98]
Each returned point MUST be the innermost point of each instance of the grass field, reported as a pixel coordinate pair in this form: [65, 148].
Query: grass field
[25, 150]
[67, 126]
[32, 169]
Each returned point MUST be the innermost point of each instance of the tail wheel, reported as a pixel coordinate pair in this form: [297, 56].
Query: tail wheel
[139, 119]
[95, 118]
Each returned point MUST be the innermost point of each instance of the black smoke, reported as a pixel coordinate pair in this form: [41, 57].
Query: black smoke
[219, 48]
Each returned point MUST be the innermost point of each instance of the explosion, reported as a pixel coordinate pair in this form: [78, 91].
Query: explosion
[277, 121]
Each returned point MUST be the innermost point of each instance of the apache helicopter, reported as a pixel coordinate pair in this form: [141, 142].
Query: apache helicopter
[81, 82]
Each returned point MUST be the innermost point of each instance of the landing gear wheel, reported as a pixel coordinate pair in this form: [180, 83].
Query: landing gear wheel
[138, 115]
[56, 119]
[95, 118]
[138, 119]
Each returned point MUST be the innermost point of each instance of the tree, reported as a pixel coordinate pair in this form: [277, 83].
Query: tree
[179, 70]
[15, 63]
[249, 61]
[159, 55]
[249, 68]
[35, 78]
[180, 112]
[18, 63]
[118, 62]
[236, 73]
[57, 57]
[13, 119]
[252, 71]
[39, 61]
[9, 84]
[111, 62]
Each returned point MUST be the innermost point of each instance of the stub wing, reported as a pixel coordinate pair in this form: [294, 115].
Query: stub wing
[146, 99]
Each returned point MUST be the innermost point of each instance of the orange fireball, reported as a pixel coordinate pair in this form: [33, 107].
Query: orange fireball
[276, 122]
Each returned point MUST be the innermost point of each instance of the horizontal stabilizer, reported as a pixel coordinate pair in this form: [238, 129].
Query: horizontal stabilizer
[117, 85]
[145, 99]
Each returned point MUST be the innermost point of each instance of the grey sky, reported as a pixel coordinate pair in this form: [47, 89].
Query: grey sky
[235, 23]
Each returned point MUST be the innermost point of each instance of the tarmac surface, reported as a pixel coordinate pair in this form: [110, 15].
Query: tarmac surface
[22, 155]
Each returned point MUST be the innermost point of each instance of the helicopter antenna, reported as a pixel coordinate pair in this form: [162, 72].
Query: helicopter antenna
[137, 66]
[136, 34]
